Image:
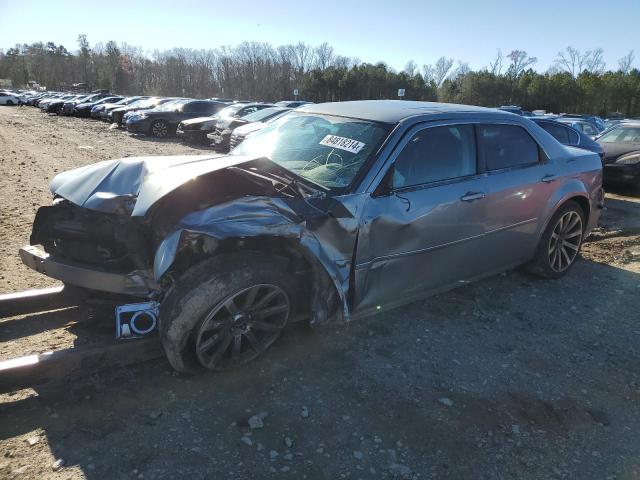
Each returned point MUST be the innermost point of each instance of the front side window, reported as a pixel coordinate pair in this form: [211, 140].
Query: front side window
[324, 149]
[506, 146]
[436, 154]
[622, 135]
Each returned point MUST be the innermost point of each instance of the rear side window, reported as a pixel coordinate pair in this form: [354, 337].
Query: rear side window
[558, 132]
[506, 146]
[436, 154]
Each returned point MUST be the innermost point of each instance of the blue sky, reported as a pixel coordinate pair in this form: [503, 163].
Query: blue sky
[374, 30]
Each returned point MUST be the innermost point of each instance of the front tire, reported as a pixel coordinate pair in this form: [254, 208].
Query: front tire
[561, 242]
[225, 312]
[159, 129]
[9, 102]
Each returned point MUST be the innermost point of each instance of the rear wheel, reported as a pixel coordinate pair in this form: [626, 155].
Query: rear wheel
[225, 312]
[560, 244]
[159, 129]
[9, 102]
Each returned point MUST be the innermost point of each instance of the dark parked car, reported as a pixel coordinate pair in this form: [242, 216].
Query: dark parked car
[221, 134]
[240, 133]
[595, 121]
[117, 114]
[582, 125]
[162, 122]
[84, 109]
[292, 103]
[69, 107]
[56, 104]
[334, 211]
[621, 147]
[568, 135]
[101, 110]
[195, 130]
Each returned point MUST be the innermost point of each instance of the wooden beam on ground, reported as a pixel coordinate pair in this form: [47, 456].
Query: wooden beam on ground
[56, 367]
[30, 301]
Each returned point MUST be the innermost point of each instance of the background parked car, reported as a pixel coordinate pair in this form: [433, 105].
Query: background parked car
[117, 114]
[195, 130]
[84, 109]
[221, 135]
[582, 125]
[161, 122]
[292, 103]
[621, 147]
[8, 99]
[240, 133]
[102, 111]
[69, 107]
[567, 135]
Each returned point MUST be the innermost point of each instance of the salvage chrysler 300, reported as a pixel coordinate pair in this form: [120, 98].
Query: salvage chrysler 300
[334, 211]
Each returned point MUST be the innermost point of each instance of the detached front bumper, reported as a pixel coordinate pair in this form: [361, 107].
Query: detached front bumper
[138, 283]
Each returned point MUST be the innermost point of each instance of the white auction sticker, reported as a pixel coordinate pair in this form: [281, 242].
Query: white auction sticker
[343, 143]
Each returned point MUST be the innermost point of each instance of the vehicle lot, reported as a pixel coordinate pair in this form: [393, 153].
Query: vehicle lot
[513, 377]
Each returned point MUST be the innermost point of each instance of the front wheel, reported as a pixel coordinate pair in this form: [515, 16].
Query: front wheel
[159, 129]
[225, 312]
[9, 102]
[560, 244]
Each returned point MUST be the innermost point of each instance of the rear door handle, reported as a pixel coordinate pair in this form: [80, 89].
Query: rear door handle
[473, 196]
[549, 178]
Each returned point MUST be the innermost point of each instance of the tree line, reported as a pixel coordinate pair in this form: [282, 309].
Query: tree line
[576, 82]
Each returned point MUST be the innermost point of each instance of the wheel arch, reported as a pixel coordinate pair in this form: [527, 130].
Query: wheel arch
[322, 297]
[571, 191]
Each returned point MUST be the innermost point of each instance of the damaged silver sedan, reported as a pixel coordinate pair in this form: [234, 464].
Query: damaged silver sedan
[332, 212]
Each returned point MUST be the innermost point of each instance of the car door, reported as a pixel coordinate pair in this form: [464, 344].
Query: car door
[422, 229]
[521, 180]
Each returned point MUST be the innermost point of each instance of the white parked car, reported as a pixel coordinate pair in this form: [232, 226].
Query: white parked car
[7, 98]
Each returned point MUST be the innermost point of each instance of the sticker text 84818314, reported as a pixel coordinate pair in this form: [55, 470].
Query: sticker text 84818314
[343, 143]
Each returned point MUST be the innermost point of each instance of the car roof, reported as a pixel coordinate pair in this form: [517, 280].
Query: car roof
[391, 111]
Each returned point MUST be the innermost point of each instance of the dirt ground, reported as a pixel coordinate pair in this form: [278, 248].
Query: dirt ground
[509, 378]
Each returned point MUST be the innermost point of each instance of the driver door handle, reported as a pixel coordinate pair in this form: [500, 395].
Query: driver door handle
[473, 196]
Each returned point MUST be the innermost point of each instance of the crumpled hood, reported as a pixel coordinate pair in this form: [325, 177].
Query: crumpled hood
[132, 185]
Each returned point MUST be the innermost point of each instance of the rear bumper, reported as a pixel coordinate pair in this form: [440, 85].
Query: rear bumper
[137, 283]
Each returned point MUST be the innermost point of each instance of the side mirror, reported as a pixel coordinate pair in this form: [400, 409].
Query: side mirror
[385, 188]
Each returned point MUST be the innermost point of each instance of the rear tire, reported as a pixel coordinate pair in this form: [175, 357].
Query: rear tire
[9, 102]
[225, 311]
[560, 243]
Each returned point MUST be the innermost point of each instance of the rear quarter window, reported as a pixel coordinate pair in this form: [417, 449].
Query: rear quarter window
[506, 146]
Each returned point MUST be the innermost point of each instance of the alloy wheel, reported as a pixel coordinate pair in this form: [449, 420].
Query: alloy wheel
[159, 129]
[242, 326]
[565, 240]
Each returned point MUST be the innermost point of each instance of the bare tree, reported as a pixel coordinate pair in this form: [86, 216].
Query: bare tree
[495, 67]
[592, 61]
[626, 63]
[411, 68]
[569, 60]
[462, 69]
[428, 73]
[572, 61]
[520, 60]
[442, 69]
[324, 56]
